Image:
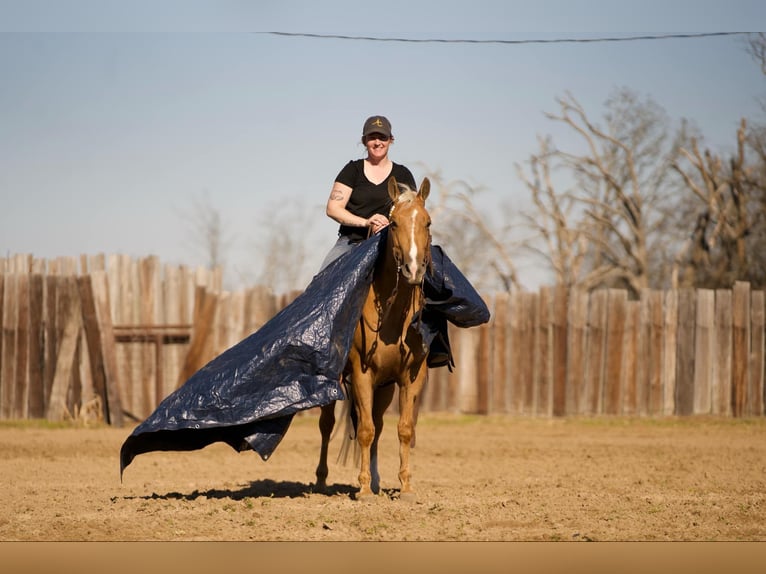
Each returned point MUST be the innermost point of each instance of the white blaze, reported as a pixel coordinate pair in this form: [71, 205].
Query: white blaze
[413, 246]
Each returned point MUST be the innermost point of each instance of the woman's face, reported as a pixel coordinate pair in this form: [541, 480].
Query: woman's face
[377, 145]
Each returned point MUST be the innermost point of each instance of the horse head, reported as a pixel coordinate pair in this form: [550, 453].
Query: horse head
[409, 230]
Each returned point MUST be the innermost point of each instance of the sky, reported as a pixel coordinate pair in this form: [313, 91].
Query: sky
[116, 118]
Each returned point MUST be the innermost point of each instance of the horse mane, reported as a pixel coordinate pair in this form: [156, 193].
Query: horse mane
[406, 195]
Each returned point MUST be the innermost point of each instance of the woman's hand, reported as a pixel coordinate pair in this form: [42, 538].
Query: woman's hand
[377, 222]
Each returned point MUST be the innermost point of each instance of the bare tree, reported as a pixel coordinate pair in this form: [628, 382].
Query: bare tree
[207, 231]
[620, 192]
[730, 220]
[557, 236]
[285, 259]
[756, 47]
[483, 251]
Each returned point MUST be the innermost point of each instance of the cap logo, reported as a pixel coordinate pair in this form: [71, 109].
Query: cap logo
[377, 123]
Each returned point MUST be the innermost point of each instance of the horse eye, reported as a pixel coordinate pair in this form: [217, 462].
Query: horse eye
[392, 224]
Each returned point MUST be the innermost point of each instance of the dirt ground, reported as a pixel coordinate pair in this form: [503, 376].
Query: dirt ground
[477, 479]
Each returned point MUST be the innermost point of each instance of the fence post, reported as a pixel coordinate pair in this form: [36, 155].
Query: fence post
[560, 349]
[685, 358]
[65, 355]
[670, 353]
[633, 339]
[542, 380]
[577, 338]
[653, 398]
[704, 346]
[741, 347]
[756, 392]
[615, 344]
[500, 354]
[594, 368]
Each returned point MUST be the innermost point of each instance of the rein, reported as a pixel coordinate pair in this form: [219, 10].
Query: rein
[383, 311]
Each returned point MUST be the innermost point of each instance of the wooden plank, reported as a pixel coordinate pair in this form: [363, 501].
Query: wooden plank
[148, 277]
[617, 300]
[631, 361]
[171, 314]
[3, 264]
[465, 368]
[199, 353]
[65, 357]
[21, 385]
[113, 410]
[260, 306]
[131, 306]
[500, 354]
[483, 367]
[756, 388]
[439, 382]
[651, 403]
[722, 375]
[530, 382]
[453, 378]
[51, 334]
[543, 380]
[740, 347]
[8, 358]
[578, 325]
[704, 346]
[96, 263]
[37, 319]
[685, 358]
[669, 353]
[643, 356]
[68, 297]
[596, 353]
[517, 320]
[560, 350]
[93, 338]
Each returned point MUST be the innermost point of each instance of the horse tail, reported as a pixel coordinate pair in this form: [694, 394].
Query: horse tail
[349, 442]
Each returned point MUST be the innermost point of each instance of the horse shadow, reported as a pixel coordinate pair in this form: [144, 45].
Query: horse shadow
[265, 488]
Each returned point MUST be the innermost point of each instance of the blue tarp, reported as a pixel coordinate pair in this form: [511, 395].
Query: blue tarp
[247, 396]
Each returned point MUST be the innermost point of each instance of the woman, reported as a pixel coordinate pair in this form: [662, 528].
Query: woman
[359, 199]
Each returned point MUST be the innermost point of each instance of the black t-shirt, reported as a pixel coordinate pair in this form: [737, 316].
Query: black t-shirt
[366, 198]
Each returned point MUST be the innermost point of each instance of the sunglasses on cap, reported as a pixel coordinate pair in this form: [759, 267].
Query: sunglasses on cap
[377, 136]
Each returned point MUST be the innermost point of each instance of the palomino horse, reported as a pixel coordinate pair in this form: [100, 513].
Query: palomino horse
[385, 350]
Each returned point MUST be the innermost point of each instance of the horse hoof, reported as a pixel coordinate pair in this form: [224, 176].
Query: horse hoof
[365, 496]
[408, 497]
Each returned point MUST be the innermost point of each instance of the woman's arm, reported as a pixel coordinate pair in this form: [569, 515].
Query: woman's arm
[336, 209]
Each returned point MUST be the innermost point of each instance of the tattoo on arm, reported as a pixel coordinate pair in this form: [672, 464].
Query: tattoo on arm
[336, 195]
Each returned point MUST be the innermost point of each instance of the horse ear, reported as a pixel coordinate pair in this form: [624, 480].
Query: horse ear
[425, 188]
[393, 188]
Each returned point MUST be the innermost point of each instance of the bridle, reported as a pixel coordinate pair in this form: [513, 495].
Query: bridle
[384, 308]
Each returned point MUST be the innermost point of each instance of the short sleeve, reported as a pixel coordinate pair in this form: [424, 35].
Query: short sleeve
[404, 175]
[349, 174]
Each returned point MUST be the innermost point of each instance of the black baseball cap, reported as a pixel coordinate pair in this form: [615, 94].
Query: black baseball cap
[377, 125]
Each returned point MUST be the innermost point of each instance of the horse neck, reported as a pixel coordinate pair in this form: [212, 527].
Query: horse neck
[394, 295]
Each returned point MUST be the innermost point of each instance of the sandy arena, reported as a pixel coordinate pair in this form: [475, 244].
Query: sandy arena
[477, 479]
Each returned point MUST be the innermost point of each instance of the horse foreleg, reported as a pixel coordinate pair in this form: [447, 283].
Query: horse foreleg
[408, 396]
[365, 431]
[382, 399]
[326, 424]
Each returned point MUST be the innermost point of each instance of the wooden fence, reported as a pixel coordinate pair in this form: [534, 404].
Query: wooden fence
[109, 337]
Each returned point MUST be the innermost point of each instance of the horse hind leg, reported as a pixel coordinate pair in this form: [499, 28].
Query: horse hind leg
[326, 425]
